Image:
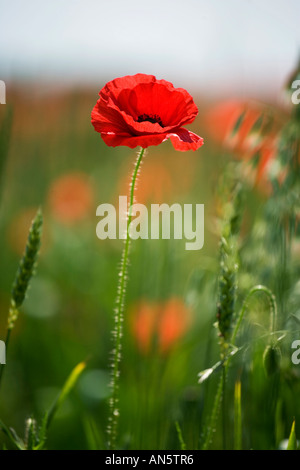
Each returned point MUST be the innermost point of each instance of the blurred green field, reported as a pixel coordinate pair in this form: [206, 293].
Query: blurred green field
[57, 162]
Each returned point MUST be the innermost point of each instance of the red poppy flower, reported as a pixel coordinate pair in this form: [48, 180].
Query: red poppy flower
[140, 110]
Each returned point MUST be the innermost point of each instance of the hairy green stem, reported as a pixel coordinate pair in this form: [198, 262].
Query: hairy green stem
[113, 418]
[273, 309]
[224, 404]
[221, 385]
[214, 415]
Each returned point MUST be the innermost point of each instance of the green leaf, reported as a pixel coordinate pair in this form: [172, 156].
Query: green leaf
[67, 388]
[238, 124]
[257, 125]
[205, 374]
[93, 436]
[237, 416]
[13, 436]
[180, 437]
[42, 433]
[292, 444]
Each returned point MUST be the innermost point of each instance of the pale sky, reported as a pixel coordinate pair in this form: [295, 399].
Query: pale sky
[223, 43]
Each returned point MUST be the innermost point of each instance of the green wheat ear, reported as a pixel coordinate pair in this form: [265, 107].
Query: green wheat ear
[227, 287]
[26, 269]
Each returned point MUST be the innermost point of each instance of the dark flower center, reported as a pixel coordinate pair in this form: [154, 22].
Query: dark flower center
[154, 118]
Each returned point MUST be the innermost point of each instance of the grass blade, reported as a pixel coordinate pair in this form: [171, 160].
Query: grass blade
[292, 443]
[237, 416]
[67, 388]
[179, 434]
[12, 435]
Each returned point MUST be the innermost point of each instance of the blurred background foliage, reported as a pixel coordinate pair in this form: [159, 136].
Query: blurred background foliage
[57, 162]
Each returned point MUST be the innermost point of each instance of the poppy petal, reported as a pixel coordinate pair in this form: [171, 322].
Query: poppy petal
[107, 119]
[140, 110]
[114, 140]
[175, 107]
[184, 140]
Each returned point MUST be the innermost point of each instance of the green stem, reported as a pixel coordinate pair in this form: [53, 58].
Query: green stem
[214, 415]
[221, 385]
[273, 309]
[224, 404]
[118, 329]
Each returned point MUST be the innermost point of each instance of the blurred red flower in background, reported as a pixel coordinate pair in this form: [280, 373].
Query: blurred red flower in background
[222, 118]
[248, 129]
[140, 110]
[162, 323]
[71, 197]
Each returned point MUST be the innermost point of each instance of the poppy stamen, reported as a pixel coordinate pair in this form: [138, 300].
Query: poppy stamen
[154, 118]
